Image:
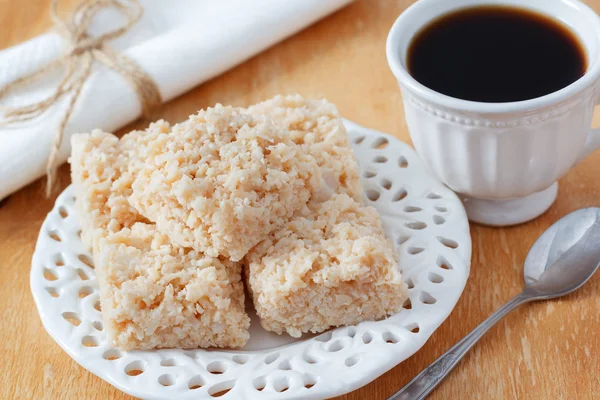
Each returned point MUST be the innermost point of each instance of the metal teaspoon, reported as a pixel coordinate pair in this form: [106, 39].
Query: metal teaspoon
[560, 262]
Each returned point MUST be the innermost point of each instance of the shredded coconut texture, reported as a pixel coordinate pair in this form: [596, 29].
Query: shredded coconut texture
[222, 181]
[153, 294]
[316, 126]
[156, 295]
[102, 179]
[333, 267]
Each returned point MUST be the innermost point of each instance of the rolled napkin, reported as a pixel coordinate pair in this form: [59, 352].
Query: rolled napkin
[180, 44]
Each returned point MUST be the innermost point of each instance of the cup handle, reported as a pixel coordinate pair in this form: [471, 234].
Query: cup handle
[592, 143]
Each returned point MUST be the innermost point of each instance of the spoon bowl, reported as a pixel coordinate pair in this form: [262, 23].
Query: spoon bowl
[565, 256]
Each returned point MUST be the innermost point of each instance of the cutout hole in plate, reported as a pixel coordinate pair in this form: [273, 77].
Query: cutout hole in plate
[335, 346]
[87, 260]
[351, 361]
[443, 263]
[351, 332]
[221, 388]
[380, 143]
[98, 326]
[271, 358]
[370, 174]
[90, 341]
[135, 368]
[112, 354]
[53, 234]
[310, 359]
[72, 318]
[240, 359]
[386, 184]
[402, 162]
[309, 380]
[415, 250]
[216, 367]
[285, 365]
[166, 380]
[389, 337]
[59, 261]
[435, 278]
[402, 239]
[399, 195]
[281, 384]
[372, 195]
[259, 383]
[82, 275]
[62, 211]
[85, 291]
[52, 291]
[417, 225]
[196, 382]
[50, 275]
[451, 244]
[426, 298]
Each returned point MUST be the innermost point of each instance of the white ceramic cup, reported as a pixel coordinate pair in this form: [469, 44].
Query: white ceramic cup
[504, 159]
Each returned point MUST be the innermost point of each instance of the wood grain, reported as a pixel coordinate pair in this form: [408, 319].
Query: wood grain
[541, 351]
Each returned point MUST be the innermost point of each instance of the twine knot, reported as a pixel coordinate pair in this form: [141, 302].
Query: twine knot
[77, 61]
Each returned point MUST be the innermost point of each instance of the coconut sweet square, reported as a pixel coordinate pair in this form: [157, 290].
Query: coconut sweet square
[156, 295]
[223, 180]
[144, 280]
[329, 268]
[316, 126]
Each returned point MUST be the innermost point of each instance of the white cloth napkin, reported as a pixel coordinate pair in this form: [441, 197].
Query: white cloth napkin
[180, 43]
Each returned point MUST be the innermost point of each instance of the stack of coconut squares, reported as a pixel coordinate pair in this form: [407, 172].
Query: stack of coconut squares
[176, 215]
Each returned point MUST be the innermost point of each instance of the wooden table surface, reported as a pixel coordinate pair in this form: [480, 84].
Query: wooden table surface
[542, 351]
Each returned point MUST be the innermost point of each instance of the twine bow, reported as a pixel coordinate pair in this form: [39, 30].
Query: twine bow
[77, 62]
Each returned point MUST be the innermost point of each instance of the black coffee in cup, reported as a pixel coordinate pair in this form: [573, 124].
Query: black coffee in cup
[496, 54]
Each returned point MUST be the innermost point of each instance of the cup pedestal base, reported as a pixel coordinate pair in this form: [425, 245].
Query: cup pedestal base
[509, 212]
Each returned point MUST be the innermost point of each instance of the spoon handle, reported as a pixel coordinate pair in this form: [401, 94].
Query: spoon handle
[431, 376]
